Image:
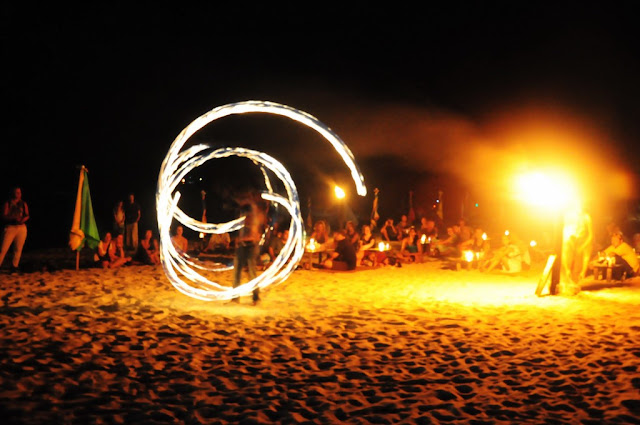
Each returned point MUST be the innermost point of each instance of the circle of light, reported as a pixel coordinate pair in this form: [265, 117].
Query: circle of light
[177, 164]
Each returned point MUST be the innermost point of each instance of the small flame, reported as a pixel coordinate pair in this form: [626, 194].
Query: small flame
[533, 243]
[312, 244]
[506, 233]
[484, 236]
[339, 192]
[468, 256]
[423, 239]
[381, 246]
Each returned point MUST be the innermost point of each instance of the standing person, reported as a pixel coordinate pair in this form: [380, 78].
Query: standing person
[131, 219]
[15, 214]
[118, 218]
[247, 245]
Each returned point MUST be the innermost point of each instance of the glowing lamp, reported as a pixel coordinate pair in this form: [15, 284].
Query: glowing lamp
[468, 256]
[339, 192]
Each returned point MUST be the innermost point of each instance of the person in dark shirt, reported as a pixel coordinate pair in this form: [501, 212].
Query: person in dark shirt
[344, 256]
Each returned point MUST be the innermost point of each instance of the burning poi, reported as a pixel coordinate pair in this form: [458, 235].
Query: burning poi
[181, 270]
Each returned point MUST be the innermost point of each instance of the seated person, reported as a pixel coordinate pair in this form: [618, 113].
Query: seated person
[344, 255]
[352, 235]
[411, 248]
[402, 228]
[624, 256]
[117, 256]
[388, 231]
[148, 250]
[180, 242]
[218, 242]
[477, 243]
[101, 257]
[320, 232]
[367, 242]
[508, 256]
[449, 246]
[275, 245]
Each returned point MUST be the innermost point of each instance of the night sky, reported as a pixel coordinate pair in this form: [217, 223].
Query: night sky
[415, 93]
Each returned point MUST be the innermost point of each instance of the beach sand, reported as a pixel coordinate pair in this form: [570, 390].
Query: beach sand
[415, 344]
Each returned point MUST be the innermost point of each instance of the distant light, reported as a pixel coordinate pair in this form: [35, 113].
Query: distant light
[437, 201]
[506, 233]
[533, 243]
[339, 192]
[477, 205]
[484, 236]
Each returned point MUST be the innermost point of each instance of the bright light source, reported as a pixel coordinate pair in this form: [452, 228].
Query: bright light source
[468, 256]
[506, 233]
[533, 243]
[547, 190]
[339, 192]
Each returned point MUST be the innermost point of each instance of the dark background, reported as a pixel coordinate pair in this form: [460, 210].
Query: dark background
[415, 92]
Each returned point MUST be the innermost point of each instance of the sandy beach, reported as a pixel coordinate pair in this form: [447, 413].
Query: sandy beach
[415, 344]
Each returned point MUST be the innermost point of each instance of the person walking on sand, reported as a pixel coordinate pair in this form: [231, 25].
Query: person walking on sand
[247, 245]
[131, 219]
[15, 214]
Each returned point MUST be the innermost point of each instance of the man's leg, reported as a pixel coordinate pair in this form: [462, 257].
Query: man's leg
[134, 236]
[127, 235]
[18, 244]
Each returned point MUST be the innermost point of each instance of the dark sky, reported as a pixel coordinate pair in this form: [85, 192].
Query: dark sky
[410, 90]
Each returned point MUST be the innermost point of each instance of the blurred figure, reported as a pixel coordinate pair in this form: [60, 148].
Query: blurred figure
[344, 256]
[118, 218]
[478, 243]
[577, 244]
[15, 214]
[219, 242]
[402, 228]
[449, 246]
[411, 248]
[101, 257]
[320, 232]
[117, 257]
[131, 219]
[465, 232]
[179, 241]
[388, 231]
[148, 252]
[352, 235]
[624, 256]
[247, 244]
[508, 257]
[636, 243]
[367, 242]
